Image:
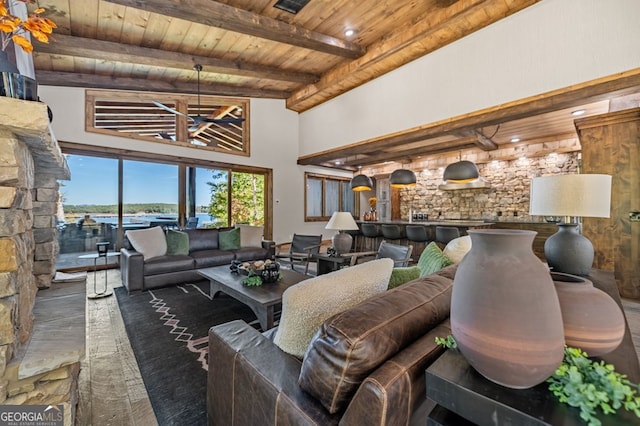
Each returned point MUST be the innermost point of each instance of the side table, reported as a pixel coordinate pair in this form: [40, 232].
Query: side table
[465, 397]
[328, 263]
[95, 256]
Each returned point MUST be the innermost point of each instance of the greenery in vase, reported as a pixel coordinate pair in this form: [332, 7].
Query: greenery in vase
[586, 384]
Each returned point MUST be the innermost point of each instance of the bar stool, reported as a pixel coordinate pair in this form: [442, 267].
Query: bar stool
[444, 234]
[418, 235]
[393, 233]
[370, 234]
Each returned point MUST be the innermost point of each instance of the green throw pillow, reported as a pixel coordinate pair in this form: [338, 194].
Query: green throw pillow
[177, 242]
[432, 259]
[229, 240]
[403, 275]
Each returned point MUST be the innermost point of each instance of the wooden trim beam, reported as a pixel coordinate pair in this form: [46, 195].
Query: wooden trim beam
[432, 31]
[219, 15]
[118, 52]
[592, 91]
[55, 78]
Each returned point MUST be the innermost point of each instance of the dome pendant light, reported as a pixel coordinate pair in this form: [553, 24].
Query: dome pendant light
[361, 183]
[402, 178]
[461, 172]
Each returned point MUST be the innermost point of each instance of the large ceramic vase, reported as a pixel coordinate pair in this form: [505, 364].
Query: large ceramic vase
[505, 313]
[593, 321]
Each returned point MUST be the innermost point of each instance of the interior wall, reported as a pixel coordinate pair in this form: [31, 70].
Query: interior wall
[274, 144]
[550, 45]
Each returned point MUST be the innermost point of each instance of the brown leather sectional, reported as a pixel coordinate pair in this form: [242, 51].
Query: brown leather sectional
[365, 366]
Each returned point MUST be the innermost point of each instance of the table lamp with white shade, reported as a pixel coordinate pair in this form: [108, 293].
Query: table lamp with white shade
[342, 221]
[579, 195]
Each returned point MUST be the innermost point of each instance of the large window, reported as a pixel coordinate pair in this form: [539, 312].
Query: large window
[217, 206]
[325, 195]
[141, 116]
[151, 194]
[88, 210]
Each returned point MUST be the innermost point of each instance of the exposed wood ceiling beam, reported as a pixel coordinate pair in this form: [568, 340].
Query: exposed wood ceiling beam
[433, 31]
[617, 85]
[54, 78]
[118, 52]
[220, 15]
[410, 154]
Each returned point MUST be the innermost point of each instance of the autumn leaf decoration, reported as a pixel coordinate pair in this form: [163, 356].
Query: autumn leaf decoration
[13, 29]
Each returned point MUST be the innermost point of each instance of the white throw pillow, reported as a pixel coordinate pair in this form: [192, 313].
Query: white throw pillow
[250, 236]
[457, 248]
[306, 305]
[150, 242]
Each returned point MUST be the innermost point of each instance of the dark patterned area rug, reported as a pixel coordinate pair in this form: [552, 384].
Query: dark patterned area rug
[168, 329]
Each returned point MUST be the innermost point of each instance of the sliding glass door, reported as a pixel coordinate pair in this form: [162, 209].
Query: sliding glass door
[108, 196]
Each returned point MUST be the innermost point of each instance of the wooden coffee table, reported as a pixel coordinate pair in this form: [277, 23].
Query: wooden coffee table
[262, 299]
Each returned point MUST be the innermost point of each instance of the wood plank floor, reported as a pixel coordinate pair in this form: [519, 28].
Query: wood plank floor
[111, 388]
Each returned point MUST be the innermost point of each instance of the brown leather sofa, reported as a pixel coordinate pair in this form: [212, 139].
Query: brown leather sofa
[364, 366]
[204, 252]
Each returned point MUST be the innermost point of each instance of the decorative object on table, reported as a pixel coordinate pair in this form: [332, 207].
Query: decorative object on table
[371, 215]
[581, 195]
[235, 264]
[592, 320]
[259, 272]
[505, 314]
[271, 272]
[331, 251]
[13, 32]
[589, 385]
[342, 221]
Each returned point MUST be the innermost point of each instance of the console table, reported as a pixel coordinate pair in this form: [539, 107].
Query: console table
[465, 397]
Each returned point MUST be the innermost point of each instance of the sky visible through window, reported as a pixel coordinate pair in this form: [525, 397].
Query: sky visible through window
[95, 181]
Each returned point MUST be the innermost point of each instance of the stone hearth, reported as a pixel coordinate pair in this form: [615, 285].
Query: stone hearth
[30, 165]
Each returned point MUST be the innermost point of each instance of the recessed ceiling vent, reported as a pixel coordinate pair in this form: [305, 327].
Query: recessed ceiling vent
[291, 6]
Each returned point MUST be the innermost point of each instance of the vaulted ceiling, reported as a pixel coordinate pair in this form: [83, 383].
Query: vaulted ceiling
[250, 48]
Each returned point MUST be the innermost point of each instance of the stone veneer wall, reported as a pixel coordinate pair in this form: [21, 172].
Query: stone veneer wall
[506, 201]
[30, 165]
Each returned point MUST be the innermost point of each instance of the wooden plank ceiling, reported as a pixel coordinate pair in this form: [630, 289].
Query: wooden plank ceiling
[249, 48]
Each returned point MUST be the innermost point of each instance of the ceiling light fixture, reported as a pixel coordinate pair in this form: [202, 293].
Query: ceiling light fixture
[578, 112]
[402, 178]
[349, 32]
[361, 183]
[462, 174]
[515, 139]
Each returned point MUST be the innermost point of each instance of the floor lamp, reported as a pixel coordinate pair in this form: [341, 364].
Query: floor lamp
[580, 195]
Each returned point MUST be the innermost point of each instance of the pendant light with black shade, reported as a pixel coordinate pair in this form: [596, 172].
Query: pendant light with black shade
[361, 182]
[402, 178]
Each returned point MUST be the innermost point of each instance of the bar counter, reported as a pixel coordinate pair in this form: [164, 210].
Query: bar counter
[462, 225]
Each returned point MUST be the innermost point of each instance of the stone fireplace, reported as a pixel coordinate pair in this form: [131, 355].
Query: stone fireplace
[31, 164]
